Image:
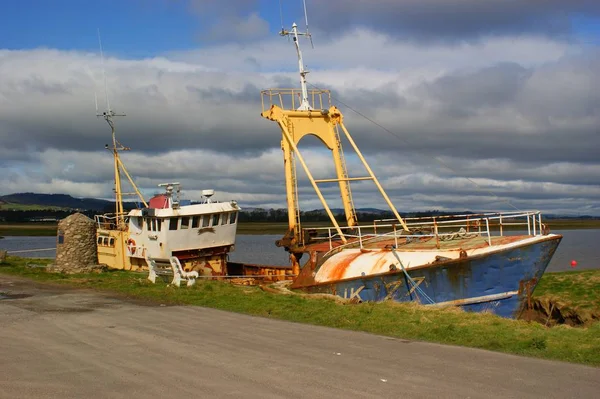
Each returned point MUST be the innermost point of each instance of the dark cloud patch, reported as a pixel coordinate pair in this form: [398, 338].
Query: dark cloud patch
[441, 20]
[489, 87]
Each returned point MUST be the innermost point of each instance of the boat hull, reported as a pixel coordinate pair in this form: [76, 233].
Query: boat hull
[500, 282]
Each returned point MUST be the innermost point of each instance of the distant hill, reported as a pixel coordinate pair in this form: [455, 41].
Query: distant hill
[21, 201]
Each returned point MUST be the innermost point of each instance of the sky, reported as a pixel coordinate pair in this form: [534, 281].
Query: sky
[456, 105]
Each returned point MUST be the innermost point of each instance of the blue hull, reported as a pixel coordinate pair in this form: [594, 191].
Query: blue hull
[500, 282]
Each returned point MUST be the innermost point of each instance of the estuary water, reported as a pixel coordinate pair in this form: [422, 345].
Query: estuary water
[582, 246]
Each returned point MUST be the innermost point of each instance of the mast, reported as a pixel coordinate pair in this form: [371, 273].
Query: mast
[294, 33]
[108, 116]
[312, 117]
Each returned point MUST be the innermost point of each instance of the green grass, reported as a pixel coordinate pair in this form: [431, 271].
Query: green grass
[23, 207]
[28, 229]
[575, 293]
[408, 321]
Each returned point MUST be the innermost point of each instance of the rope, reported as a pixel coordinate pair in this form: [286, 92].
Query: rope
[462, 234]
[411, 281]
[31, 250]
[444, 164]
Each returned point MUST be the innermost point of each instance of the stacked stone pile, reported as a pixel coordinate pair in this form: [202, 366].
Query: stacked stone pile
[76, 250]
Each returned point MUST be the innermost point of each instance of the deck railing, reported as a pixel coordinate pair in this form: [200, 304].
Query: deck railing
[107, 221]
[292, 98]
[441, 228]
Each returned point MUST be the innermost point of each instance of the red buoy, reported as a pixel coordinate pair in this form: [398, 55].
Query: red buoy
[573, 263]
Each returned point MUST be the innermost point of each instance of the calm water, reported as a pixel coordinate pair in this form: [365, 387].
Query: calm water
[580, 245]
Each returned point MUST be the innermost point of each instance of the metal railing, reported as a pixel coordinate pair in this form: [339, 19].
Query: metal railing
[292, 98]
[107, 221]
[442, 228]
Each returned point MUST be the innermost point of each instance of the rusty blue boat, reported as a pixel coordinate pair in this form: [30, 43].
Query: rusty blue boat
[480, 262]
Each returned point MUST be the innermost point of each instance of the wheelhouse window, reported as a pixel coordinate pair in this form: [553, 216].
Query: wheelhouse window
[154, 224]
[215, 220]
[173, 223]
[224, 218]
[206, 221]
[185, 222]
[196, 221]
[232, 217]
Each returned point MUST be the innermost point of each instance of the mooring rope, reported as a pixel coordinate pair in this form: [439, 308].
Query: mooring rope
[411, 281]
[31, 250]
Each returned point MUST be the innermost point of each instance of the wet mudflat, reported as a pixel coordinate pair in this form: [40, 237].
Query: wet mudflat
[60, 342]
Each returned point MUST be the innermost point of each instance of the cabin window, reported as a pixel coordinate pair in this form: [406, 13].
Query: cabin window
[206, 221]
[173, 223]
[155, 224]
[185, 222]
[196, 222]
[215, 220]
[105, 241]
[99, 240]
[111, 242]
[232, 217]
[224, 218]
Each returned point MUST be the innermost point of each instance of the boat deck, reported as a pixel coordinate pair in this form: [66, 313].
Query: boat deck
[416, 243]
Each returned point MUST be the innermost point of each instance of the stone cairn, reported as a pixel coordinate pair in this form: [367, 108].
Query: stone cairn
[76, 250]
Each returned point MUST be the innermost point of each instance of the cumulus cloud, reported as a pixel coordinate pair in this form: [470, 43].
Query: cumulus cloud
[472, 125]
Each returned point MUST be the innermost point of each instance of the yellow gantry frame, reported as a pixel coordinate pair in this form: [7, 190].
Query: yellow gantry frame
[120, 213]
[295, 124]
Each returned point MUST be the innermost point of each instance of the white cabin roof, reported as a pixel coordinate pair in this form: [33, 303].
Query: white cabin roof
[190, 210]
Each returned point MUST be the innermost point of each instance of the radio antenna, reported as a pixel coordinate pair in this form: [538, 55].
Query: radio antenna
[306, 20]
[281, 14]
[103, 71]
[295, 34]
[109, 113]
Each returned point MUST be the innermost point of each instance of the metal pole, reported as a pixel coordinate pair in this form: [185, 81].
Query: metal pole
[392, 207]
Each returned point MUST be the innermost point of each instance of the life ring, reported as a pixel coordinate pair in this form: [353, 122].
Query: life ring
[131, 245]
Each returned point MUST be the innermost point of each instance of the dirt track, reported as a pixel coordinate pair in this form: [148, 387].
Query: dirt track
[64, 343]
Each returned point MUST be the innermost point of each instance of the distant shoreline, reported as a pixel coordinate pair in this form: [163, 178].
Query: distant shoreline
[263, 228]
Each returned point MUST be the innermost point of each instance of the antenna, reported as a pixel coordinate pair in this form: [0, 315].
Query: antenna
[281, 15]
[306, 20]
[294, 33]
[109, 113]
[103, 72]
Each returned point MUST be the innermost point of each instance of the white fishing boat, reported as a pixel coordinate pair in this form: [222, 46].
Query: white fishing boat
[167, 229]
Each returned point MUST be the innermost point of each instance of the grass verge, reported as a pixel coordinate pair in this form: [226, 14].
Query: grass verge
[408, 321]
[28, 229]
[572, 296]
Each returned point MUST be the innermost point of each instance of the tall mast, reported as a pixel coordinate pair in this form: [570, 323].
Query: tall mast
[295, 34]
[320, 119]
[108, 116]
